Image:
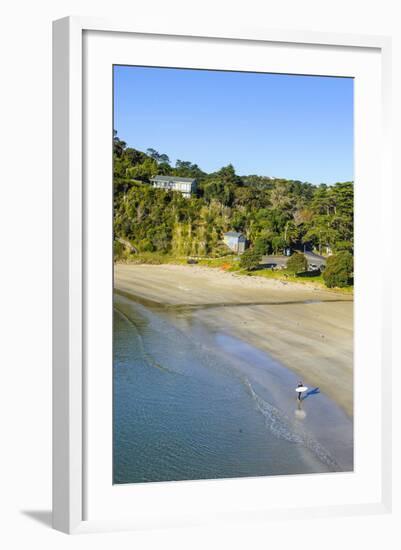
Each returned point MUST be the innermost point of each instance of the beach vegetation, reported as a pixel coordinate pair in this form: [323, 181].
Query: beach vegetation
[339, 270]
[273, 213]
[263, 245]
[297, 263]
[250, 259]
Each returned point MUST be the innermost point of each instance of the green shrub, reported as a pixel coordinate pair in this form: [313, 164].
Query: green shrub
[250, 259]
[278, 243]
[118, 250]
[342, 246]
[297, 263]
[146, 245]
[262, 245]
[339, 270]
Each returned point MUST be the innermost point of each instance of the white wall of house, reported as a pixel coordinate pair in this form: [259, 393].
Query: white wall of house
[184, 187]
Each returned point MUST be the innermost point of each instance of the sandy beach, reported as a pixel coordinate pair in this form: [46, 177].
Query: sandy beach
[309, 330]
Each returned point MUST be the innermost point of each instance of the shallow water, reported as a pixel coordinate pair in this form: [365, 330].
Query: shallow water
[191, 403]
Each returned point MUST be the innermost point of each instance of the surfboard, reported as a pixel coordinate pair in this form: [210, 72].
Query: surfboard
[301, 388]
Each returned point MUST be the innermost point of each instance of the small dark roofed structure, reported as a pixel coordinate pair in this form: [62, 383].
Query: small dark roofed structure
[236, 241]
[186, 186]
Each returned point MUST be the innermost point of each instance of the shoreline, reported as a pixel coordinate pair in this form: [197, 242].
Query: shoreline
[319, 425]
[306, 329]
[261, 275]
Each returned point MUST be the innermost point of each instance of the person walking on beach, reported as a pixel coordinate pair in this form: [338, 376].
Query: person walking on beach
[300, 385]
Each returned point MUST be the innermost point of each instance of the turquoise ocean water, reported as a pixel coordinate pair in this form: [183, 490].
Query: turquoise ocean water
[190, 403]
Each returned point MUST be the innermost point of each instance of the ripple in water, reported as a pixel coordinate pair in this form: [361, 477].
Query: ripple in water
[282, 427]
[182, 410]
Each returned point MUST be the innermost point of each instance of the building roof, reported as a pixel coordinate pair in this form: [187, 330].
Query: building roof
[233, 234]
[172, 178]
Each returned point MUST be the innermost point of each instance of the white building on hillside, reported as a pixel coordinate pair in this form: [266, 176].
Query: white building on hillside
[236, 241]
[186, 186]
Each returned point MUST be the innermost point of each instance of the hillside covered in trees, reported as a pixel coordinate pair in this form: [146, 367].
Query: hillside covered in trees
[272, 212]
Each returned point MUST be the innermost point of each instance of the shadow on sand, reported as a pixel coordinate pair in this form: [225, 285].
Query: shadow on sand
[314, 391]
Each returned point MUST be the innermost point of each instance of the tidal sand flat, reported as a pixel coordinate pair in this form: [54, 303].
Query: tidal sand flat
[307, 329]
[201, 384]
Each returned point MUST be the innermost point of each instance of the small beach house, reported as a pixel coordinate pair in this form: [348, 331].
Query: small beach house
[236, 241]
[186, 186]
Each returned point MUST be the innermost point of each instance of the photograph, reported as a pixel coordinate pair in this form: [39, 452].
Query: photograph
[233, 274]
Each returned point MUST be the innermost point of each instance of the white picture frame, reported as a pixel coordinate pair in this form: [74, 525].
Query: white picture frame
[71, 203]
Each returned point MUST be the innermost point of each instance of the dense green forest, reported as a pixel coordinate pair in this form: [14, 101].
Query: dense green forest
[272, 212]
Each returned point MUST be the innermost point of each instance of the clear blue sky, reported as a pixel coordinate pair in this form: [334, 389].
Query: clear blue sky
[295, 127]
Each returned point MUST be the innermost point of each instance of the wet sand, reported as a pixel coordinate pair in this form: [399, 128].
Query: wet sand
[307, 329]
